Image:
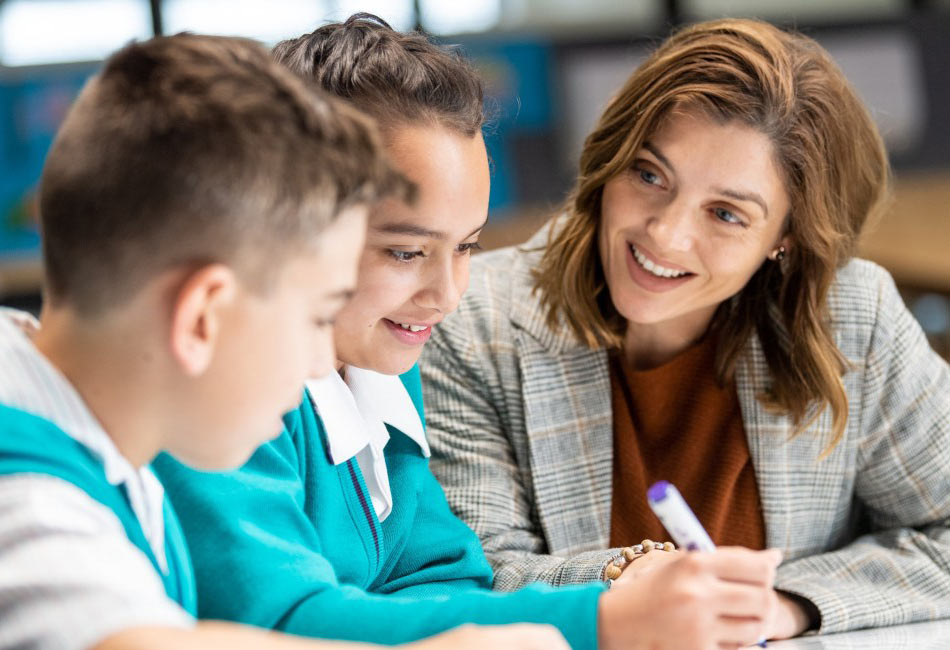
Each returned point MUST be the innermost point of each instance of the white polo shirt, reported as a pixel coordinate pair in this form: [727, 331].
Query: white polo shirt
[355, 410]
[69, 576]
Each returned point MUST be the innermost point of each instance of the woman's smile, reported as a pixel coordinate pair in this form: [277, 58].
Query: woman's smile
[650, 274]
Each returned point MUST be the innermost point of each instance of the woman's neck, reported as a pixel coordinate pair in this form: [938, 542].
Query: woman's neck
[651, 345]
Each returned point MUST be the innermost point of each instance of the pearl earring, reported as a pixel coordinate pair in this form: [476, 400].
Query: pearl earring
[778, 254]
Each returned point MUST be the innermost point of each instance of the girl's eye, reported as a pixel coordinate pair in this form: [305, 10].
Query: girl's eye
[727, 217]
[403, 256]
[468, 247]
[322, 323]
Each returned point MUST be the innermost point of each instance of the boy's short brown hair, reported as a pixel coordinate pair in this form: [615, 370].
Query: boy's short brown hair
[188, 150]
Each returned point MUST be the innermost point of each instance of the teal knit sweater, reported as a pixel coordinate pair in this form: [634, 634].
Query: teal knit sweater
[291, 541]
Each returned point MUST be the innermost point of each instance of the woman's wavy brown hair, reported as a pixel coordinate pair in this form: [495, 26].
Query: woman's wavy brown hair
[836, 175]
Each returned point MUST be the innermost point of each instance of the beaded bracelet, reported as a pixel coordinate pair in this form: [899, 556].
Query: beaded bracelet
[628, 554]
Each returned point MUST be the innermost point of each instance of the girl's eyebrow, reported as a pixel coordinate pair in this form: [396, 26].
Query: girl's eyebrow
[397, 228]
[342, 295]
[484, 223]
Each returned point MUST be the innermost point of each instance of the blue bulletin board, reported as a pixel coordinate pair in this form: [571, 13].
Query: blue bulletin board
[33, 102]
[519, 100]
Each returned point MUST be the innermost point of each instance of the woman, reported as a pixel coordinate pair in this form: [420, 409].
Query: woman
[337, 529]
[696, 315]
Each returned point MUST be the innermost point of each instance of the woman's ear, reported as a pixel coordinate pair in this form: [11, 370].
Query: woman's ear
[781, 248]
[197, 314]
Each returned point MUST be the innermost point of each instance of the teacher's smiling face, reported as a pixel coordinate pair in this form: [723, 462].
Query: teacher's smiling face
[691, 221]
[414, 268]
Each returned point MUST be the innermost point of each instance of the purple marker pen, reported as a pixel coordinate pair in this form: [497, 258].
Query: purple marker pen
[680, 522]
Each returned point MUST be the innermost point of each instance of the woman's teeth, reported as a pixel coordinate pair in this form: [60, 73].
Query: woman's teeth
[413, 328]
[655, 269]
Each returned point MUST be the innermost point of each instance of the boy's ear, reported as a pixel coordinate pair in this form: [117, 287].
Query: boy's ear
[197, 315]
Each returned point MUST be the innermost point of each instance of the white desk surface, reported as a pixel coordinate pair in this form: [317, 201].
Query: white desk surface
[919, 636]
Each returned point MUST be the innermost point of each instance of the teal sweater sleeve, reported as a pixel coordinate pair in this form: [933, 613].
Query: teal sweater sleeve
[271, 548]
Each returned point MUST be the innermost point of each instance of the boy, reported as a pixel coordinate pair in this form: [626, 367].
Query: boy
[202, 214]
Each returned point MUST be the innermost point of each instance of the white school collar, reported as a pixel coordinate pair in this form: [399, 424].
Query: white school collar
[29, 382]
[355, 412]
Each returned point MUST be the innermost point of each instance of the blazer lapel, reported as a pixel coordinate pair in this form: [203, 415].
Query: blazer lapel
[569, 424]
[766, 434]
[800, 494]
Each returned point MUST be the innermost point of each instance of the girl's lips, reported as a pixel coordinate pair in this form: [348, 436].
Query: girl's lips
[649, 281]
[408, 337]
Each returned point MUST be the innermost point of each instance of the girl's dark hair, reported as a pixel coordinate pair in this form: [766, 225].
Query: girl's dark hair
[398, 78]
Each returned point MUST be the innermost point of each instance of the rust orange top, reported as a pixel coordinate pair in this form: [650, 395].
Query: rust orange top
[675, 422]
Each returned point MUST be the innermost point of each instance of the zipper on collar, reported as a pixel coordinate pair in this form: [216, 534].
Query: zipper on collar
[365, 503]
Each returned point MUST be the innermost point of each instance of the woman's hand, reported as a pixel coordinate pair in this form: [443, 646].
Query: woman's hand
[789, 618]
[644, 564]
[700, 601]
[501, 637]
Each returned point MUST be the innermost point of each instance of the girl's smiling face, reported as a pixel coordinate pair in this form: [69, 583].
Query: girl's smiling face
[691, 221]
[414, 268]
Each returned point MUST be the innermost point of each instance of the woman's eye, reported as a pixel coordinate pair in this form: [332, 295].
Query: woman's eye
[403, 256]
[648, 177]
[726, 216]
[468, 247]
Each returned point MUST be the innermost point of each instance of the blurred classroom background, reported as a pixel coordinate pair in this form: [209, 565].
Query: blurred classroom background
[549, 65]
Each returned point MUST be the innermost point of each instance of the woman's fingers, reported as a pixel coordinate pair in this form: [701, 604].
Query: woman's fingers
[739, 631]
[743, 600]
[738, 564]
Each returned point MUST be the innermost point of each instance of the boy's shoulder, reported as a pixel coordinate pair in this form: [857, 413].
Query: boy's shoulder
[30, 443]
[66, 541]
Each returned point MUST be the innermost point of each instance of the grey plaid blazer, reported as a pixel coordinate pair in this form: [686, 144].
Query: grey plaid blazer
[519, 420]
